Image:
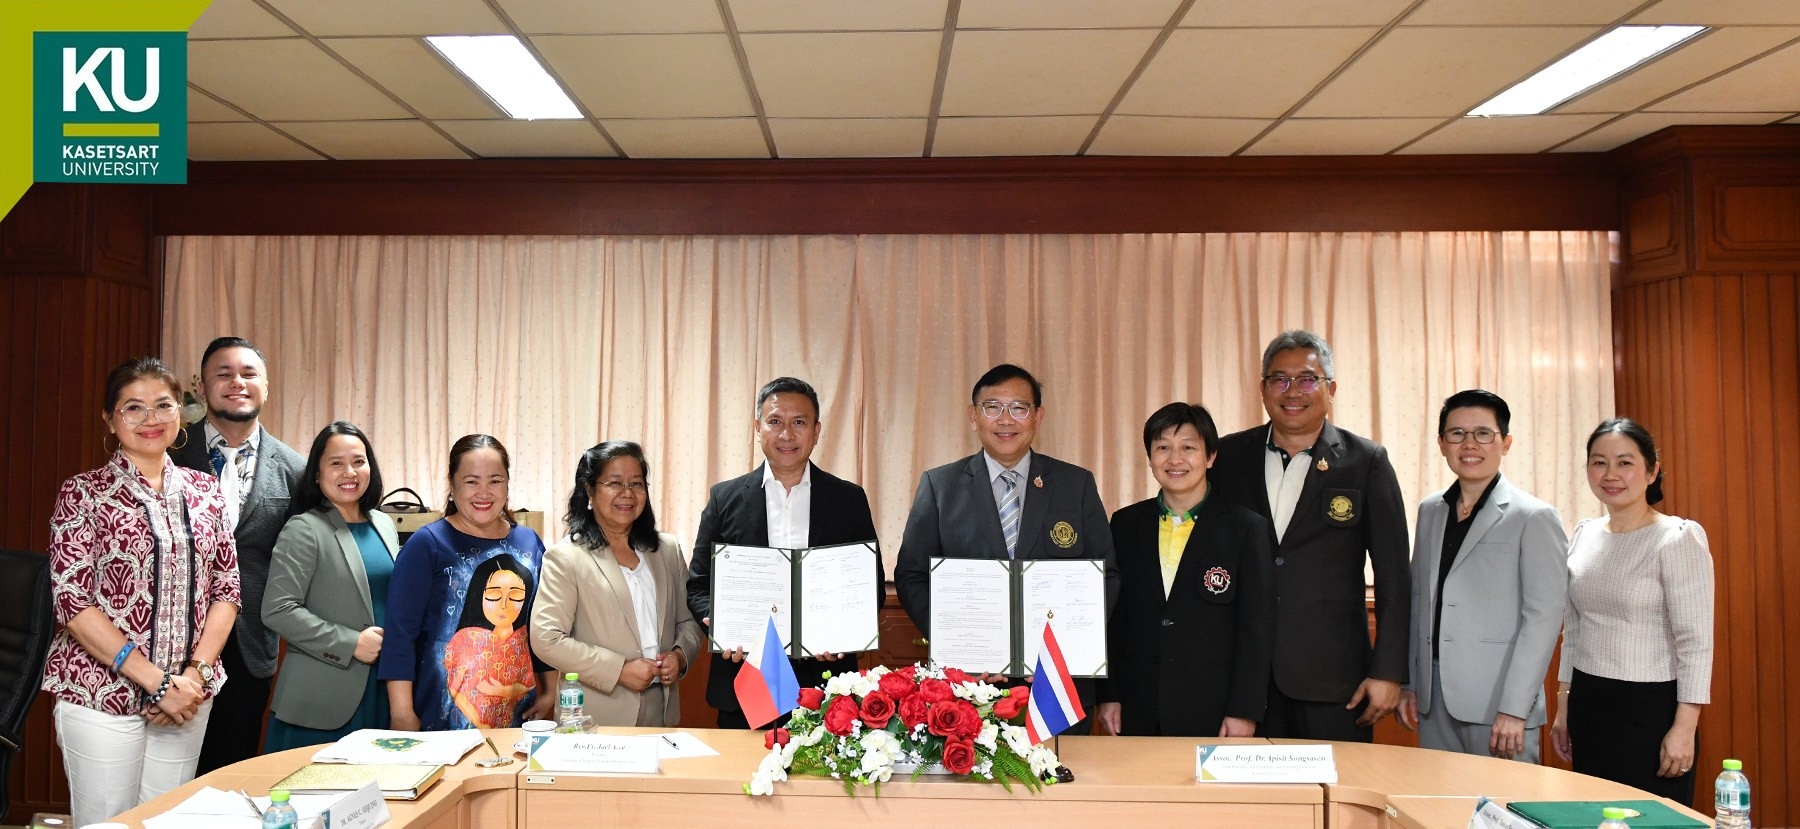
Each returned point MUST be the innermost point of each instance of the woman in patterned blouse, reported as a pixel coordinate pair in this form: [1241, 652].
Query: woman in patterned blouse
[145, 579]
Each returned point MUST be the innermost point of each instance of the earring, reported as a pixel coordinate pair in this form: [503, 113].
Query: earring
[184, 440]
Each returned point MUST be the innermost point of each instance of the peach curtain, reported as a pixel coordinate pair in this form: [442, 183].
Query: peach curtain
[555, 343]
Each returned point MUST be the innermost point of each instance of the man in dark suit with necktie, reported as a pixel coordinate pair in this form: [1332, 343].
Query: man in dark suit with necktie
[786, 502]
[1004, 501]
[256, 473]
[1333, 501]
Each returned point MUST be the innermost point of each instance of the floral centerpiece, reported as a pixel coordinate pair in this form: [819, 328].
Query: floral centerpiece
[862, 727]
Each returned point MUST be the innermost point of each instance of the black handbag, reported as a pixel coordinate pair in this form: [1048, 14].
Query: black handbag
[402, 501]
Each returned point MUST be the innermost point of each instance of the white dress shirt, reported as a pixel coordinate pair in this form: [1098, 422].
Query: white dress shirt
[789, 510]
[641, 583]
[1285, 483]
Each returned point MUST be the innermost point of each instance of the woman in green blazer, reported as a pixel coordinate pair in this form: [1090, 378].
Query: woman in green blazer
[327, 594]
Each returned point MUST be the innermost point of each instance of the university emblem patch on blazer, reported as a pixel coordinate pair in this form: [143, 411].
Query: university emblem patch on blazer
[1341, 506]
[1217, 580]
[1062, 535]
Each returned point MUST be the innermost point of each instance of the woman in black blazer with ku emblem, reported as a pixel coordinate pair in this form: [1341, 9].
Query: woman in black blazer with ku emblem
[1190, 638]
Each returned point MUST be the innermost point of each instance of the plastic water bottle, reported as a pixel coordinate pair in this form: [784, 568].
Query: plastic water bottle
[280, 814]
[570, 699]
[1731, 797]
[1613, 817]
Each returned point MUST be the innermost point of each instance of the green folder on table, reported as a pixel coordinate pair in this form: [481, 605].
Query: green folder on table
[1585, 814]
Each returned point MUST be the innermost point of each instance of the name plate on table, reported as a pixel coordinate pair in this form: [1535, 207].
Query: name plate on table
[364, 808]
[594, 753]
[1264, 764]
[1491, 815]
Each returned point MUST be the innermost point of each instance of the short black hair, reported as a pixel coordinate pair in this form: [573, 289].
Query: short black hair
[311, 497]
[1645, 444]
[1177, 415]
[1002, 373]
[787, 385]
[1477, 399]
[584, 528]
[472, 615]
[220, 343]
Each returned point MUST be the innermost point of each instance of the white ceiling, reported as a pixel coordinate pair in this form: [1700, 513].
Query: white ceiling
[351, 79]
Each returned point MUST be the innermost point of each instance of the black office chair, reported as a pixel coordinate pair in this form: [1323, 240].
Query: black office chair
[26, 625]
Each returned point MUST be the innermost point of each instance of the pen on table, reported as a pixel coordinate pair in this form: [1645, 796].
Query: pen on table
[252, 801]
[672, 743]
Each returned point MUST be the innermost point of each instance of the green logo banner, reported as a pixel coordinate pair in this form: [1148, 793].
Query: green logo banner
[109, 107]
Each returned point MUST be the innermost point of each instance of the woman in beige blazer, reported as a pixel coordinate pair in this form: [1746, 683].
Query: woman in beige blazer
[611, 605]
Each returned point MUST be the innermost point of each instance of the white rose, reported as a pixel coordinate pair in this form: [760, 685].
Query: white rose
[839, 685]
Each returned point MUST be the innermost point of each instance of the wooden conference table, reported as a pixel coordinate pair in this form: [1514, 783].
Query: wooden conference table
[1118, 780]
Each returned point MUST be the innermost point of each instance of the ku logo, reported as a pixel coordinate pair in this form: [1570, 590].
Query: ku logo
[84, 76]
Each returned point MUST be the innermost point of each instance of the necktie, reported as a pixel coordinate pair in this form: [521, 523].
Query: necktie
[1010, 501]
[230, 484]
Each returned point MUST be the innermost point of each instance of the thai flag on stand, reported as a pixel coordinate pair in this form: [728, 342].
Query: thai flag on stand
[766, 686]
[1054, 705]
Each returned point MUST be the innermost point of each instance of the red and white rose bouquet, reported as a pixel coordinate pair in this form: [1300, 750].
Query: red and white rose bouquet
[862, 727]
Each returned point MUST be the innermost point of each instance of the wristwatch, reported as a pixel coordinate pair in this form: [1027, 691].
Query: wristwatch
[205, 669]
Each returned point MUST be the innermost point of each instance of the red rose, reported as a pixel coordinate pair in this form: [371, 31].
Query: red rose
[1008, 707]
[948, 719]
[911, 672]
[811, 698]
[935, 690]
[777, 737]
[841, 714]
[1020, 693]
[956, 675]
[913, 711]
[877, 709]
[959, 756]
[970, 720]
[897, 686]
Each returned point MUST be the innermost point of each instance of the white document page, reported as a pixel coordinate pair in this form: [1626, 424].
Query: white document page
[1071, 596]
[749, 584]
[840, 607]
[971, 614]
[370, 746]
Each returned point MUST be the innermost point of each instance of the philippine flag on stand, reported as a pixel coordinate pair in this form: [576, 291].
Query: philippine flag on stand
[765, 685]
[1054, 705]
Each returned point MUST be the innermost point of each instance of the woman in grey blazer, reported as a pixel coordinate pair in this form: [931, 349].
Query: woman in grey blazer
[327, 594]
[612, 604]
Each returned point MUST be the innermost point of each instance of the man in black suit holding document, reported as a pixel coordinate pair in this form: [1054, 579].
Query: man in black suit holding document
[1004, 502]
[786, 502]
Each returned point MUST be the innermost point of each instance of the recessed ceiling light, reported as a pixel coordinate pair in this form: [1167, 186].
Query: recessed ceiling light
[1603, 59]
[507, 72]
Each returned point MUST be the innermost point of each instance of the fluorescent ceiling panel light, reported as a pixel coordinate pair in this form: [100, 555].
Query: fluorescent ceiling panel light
[1605, 58]
[507, 72]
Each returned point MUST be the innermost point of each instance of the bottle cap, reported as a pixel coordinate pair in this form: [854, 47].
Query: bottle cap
[571, 676]
[1734, 765]
[1613, 813]
[278, 796]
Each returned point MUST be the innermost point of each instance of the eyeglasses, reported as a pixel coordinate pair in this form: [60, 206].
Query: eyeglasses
[136, 414]
[991, 409]
[638, 487]
[1307, 383]
[1457, 436]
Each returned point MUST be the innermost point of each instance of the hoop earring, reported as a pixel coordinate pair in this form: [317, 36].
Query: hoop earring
[103, 449]
[184, 440]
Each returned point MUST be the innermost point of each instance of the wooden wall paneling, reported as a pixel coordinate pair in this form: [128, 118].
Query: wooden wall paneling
[1656, 235]
[1748, 215]
[43, 233]
[1767, 397]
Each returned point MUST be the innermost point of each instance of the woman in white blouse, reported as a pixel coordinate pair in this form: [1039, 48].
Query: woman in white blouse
[1637, 638]
[612, 604]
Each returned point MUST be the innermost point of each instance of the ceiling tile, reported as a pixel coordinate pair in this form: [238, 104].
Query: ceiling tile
[323, 18]
[1146, 135]
[1294, 13]
[237, 18]
[689, 138]
[1040, 73]
[506, 138]
[1057, 135]
[611, 17]
[1512, 134]
[844, 75]
[650, 76]
[1767, 85]
[203, 109]
[1239, 73]
[1637, 125]
[848, 137]
[1708, 55]
[1723, 12]
[285, 80]
[1444, 72]
[248, 141]
[1341, 136]
[1519, 12]
[839, 15]
[1065, 14]
[408, 68]
[374, 139]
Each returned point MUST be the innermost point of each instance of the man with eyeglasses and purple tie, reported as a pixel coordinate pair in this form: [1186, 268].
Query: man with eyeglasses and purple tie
[1005, 501]
[1334, 503]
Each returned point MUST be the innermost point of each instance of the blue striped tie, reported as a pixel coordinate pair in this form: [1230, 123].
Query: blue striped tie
[1009, 511]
